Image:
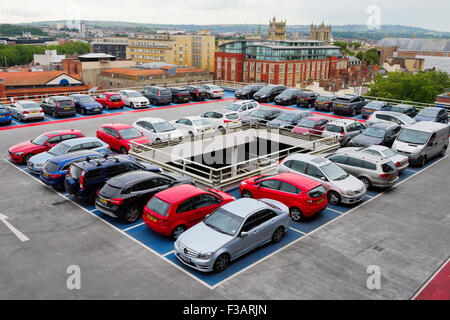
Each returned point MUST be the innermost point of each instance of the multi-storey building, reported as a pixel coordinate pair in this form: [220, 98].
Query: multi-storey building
[115, 46]
[289, 62]
[182, 50]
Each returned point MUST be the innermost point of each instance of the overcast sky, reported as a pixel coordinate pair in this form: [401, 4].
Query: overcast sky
[431, 14]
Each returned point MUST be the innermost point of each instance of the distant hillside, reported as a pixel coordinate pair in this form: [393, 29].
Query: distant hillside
[339, 31]
[9, 30]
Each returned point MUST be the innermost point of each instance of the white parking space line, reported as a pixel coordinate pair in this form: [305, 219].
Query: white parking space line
[130, 228]
[166, 254]
[319, 228]
[115, 228]
[409, 170]
[430, 279]
[290, 228]
[336, 211]
[13, 229]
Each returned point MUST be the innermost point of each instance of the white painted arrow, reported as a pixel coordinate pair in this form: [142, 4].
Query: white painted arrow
[16, 232]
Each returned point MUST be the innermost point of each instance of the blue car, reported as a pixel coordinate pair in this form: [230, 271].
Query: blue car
[434, 114]
[373, 106]
[85, 104]
[5, 115]
[36, 162]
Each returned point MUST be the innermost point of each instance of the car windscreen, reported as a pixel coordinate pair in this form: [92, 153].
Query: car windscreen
[50, 166]
[59, 149]
[413, 136]
[115, 97]
[201, 122]
[307, 123]
[373, 105]
[130, 133]
[389, 153]
[397, 109]
[40, 140]
[405, 118]
[86, 99]
[428, 113]
[110, 191]
[388, 167]
[343, 100]
[258, 113]
[323, 98]
[374, 132]
[287, 116]
[316, 192]
[165, 92]
[224, 221]
[265, 90]
[159, 206]
[334, 128]
[233, 107]
[334, 172]
[30, 105]
[288, 92]
[134, 94]
[232, 116]
[163, 126]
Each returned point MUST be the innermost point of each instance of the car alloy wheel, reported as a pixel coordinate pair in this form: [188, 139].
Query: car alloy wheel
[365, 181]
[131, 214]
[177, 231]
[222, 130]
[247, 194]
[131, 105]
[278, 235]
[443, 151]
[354, 112]
[423, 162]
[54, 114]
[26, 158]
[106, 106]
[296, 214]
[334, 197]
[158, 141]
[221, 262]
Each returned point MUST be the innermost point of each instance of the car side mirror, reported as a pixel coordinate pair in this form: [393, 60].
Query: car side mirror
[323, 179]
[430, 144]
[243, 234]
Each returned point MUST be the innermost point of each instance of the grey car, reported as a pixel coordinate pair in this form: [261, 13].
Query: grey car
[344, 129]
[341, 186]
[26, 110]
[401, 161]
[372, 170]
[231, 231]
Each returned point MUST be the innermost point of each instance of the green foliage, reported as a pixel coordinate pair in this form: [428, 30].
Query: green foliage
[371, 56]
[18, 54]
[421, 87]
[10, 30]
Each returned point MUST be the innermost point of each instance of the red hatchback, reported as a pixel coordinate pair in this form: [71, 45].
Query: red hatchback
[23, 151]
[172, 211]
[304, 196]
[311, 125]
[110, 100]
[120, 136]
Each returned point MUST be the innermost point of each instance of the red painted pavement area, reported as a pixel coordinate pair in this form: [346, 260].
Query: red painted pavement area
[438, 288]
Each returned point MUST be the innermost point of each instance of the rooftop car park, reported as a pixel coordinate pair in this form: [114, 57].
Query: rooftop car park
[341, 235]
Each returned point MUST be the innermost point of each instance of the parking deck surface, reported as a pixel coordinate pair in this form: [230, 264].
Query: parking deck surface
[321, 258]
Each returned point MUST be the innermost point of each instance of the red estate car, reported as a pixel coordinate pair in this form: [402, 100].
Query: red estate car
[119, 136]
[23, 151]
[172, 211]
[110, 100]
[311, 125]
[304, 196]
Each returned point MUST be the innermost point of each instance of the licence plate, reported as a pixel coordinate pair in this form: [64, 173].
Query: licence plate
[320, 201]
[102, 200]
[320, 102]
[186, 99]
[184, 258]
[207, 129]
[68, 108]
[340, 105]
[45, 174]
[152, 218]
[302, 99]
[1, 116]
[34, 111]
[235, 122]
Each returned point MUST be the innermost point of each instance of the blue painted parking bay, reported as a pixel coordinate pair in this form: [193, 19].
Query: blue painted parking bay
[163, 246]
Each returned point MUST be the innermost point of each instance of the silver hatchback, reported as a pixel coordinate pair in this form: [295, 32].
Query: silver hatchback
[341, 187]
[231, 231]
[372, 170]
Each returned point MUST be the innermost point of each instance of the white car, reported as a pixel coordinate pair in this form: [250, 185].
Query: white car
[222, 119]
[214, 91]
[192, 126]
[134, 99]
[243, 107]
[158, 130]
[389, 116]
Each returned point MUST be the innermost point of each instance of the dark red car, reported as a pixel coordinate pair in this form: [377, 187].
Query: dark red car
[23, 151]
[110, 100]
[304, 196]
[311, 125]
[120, 136]
[172, 211]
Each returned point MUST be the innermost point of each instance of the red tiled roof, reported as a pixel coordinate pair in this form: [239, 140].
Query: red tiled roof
[29, 78]
[133, 72]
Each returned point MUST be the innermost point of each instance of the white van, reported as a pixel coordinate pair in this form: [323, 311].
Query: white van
[422, 141]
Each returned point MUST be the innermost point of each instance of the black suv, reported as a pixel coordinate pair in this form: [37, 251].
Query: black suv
[306, 99]
[288, 97]
[157, 95]
[407, 109]
[349, 104]
[324, 103]
[125, 196]
[58, 106]
[179, 95]
[248, 91]
[84, 179]
[268, 93]
[197, 93]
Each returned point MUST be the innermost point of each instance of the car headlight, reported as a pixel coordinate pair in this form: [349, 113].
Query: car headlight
[243, 183]
[205, 256]
[18, 153]
[415, 151]
[350, 193]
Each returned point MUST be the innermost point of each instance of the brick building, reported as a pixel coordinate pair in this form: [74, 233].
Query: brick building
[290, 62]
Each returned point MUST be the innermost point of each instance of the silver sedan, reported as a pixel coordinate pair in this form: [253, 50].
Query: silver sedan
[232, 231]
[26, 110]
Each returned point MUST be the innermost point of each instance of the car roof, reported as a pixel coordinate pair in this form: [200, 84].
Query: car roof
[297, 180]
[128, 91]
[72, 142]
[384, 125]
[151, 119]
[79, 95]
[377, 147]
[347, 96]
[376, 102]
[242, 101]
[426, 126]
[341, 122]
[25, 101]
[100, 162]
[178, 88]
[245, 206]
[404, 106]
[134, 176]
[61, 132]
[316, 118]
[179, 193]
[223, 111]
[74, 155]
[109, 93]
[308, 158]
[433, 108]
[117, 126]
[391, 113]
[192, 118]
[61, 98]
[365, 156]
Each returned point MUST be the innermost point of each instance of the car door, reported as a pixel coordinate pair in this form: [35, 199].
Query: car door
[242, 245]
[287, 194]
[267, 189]
[115, 141]
[353, 166]
[187, 213]
[316, 174]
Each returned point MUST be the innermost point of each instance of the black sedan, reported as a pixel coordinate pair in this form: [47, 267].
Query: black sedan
[261, 116]
[288, 97]
[383, 133]
[125, 196]
[247, 92]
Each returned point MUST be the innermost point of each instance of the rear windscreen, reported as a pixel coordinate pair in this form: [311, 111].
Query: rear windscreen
[115, 98]
[388, 167]
[110, 191]
[316, 192]
[65, 103]
[232, 116]
[50, 166]
[334, 128]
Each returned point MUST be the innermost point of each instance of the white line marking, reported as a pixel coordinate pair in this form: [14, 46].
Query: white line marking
[322, 226]
[166, 254]
[409, 170]
[132, 227]
[290, 228]
[334, 210]
[13, 229]
[369, 196]
[431, 279]
[117, 229]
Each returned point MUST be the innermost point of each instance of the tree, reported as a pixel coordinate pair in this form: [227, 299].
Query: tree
[371, 56]
[420, 87]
